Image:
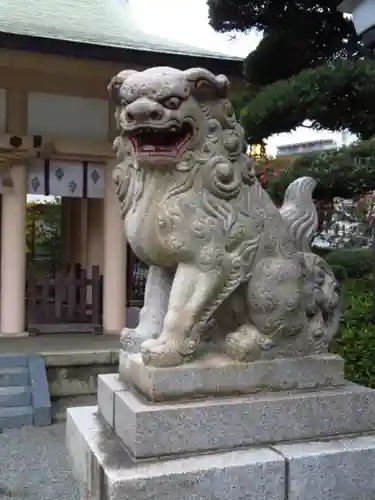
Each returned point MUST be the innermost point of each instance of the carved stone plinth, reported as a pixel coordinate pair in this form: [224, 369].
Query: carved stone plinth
[218, 375]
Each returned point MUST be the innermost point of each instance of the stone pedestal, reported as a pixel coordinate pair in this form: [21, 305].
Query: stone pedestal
[216, 429]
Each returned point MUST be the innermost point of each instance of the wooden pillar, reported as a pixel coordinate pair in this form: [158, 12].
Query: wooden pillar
[65, 232]
[1, 210]
[94, 238]
[13, 227]
[83, 233]
[95, 233]
[114, 284]
[75, 230]
[114, 248]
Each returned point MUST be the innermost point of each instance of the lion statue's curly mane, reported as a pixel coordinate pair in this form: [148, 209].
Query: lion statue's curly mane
[217, 246]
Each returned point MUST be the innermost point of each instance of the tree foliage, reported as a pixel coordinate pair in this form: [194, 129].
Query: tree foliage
[305, 33]
[338, 96]
[308, 66]
[346, 173]
[43, 229]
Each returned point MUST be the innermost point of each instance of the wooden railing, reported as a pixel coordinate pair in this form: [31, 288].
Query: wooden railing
[68, 297]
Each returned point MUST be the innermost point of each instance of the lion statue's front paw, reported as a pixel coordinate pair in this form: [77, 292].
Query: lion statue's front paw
[161, 352]
[131, 339]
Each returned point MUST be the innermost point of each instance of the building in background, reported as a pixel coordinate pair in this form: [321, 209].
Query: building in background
[305, 148]
[56, 60]
[363, 15]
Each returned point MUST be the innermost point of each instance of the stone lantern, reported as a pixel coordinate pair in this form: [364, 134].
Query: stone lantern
[363, 12]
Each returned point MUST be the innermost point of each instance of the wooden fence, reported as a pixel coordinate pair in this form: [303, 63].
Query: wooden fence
[69, 297]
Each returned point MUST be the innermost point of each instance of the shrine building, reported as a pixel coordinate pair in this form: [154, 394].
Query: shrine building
[57, 128]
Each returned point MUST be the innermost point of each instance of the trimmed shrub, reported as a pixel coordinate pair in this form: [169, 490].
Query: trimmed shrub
[355, 341]
[355, 263]
[322, 252]
[340, 272]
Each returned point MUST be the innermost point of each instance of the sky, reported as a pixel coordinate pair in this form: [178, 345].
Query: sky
[187, 21]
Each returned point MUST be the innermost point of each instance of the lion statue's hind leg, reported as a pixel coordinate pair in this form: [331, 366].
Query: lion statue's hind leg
[244, 344]
[293, 310]
[274, 296]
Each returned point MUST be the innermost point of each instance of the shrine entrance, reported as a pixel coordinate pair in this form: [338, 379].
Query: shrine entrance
[73, 237]
[64, 241]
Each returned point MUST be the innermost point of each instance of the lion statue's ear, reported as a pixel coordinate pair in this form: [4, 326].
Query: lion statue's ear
[205, 85]
[116, 83]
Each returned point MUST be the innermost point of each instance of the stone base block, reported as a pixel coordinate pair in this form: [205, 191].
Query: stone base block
[160, 429]
[339, 469]
[106, 472]
[219, 375]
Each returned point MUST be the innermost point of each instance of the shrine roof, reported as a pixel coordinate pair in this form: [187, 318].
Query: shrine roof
[99, 23]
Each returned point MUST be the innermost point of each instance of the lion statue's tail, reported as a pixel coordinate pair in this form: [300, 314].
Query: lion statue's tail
[299, 212]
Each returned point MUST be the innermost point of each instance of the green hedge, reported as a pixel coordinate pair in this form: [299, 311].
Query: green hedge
[350, 263]
[355, 341]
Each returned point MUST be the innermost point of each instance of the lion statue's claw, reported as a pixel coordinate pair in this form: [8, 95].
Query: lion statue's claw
[159, 352]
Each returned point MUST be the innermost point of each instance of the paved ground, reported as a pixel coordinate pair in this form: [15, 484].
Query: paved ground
[34, 465]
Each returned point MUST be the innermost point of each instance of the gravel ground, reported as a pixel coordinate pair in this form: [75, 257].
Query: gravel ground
[34, 465]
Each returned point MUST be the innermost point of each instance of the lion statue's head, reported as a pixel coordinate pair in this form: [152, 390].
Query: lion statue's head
[166, 112]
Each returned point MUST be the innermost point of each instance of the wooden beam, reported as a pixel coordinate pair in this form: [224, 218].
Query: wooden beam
[66, 75]
[56, 64]
[16, 148]
[16, 111]
[85, 149]
[9, 159]
[20, 142]
[43, 81]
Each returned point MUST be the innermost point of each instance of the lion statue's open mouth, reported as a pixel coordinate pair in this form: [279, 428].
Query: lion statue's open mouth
[154, 141]
[161, 112]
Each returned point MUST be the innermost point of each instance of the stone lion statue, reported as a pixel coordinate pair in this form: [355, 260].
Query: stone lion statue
[227, 267]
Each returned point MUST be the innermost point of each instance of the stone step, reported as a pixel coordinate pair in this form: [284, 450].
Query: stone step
[12, 418]
[13, 361]
[60, 405]
[14, 396]
[14, 376]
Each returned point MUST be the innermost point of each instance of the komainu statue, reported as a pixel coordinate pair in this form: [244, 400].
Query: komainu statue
[228, 269]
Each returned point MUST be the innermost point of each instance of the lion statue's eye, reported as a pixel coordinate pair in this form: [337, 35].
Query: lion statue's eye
[172, 103]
